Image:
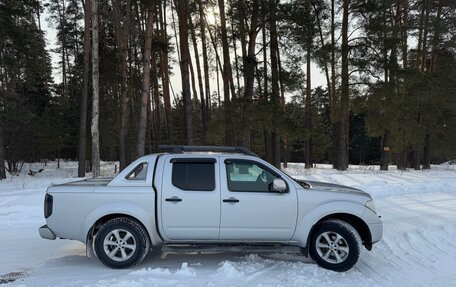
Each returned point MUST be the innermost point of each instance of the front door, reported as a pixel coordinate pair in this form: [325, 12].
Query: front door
[249, 210]
[190, 198]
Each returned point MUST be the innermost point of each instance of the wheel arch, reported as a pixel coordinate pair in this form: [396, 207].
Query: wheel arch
[105, 213]
[97, 225]
[355, 221]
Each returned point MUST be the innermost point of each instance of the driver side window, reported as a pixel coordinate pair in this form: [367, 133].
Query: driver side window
[244, 175]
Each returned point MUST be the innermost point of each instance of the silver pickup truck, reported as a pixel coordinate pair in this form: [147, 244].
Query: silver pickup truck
[210, 196]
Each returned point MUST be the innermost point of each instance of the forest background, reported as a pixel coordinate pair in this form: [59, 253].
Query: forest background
[244, 68]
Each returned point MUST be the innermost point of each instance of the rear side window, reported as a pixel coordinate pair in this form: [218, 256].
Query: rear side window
[138, 173]
[198, 176]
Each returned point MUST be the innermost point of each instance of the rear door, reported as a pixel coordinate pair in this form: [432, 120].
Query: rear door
[249, 210]
[190, 201]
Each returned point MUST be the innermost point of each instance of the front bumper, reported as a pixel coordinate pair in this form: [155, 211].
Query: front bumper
[376, 231]
[46, 232]
[375, 224]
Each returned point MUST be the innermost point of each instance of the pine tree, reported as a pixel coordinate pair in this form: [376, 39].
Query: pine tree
[95, 95]
[85, 91]
[182, 8]
[145, 96]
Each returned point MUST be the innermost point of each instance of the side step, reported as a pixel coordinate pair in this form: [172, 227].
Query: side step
[227, 248]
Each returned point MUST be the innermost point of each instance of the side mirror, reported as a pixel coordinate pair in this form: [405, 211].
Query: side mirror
[279, 185]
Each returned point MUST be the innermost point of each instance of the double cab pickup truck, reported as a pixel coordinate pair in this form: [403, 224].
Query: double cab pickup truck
[198, 196]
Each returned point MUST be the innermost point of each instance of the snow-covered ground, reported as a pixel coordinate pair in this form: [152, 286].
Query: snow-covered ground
[418, 248]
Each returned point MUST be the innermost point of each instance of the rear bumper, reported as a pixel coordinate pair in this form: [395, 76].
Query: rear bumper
[46, 233]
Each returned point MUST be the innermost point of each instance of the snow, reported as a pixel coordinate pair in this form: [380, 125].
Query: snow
[418, 249]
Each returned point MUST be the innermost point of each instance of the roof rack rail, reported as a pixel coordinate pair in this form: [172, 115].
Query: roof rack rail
[190, 148]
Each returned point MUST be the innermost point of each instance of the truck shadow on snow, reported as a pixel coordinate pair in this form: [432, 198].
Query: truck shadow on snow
[69, 268]
[175, 260]
[12, 276]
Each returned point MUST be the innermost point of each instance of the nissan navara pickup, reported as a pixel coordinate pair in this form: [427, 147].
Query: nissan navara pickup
[199, 196]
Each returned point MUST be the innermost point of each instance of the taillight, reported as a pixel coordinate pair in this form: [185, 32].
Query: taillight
[48, 200]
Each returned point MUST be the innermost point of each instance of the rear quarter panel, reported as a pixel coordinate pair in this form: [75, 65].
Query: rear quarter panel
[76, 209]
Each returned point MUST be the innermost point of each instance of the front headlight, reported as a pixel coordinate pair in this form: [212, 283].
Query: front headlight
[370, 204]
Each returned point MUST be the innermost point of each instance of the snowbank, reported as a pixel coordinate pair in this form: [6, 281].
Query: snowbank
[418, 249]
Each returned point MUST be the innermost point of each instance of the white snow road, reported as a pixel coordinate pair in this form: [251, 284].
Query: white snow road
[418, 248]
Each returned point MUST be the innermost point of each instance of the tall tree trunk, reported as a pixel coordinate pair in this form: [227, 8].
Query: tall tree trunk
[427, 151]
[333, 113]
[344, 100]
[425, 36]
[404, 33]
[402, 160]
[266, 134]
[264, 10]
[420, 36]
[250, 63]
[200, 83]
[85, 92]
[435, 42]
[236, 61]
[145, 93]
[151, 131]
[404, 26]
[267, 146]
[205, 58]
[281, 82]
[285, 151]
[384, 159]
[416, 159]
[436, 37]
[192, 77]
[62, 13]
[175, 30]
[330, 79]
[214, 44]
[385, 148]
[95, 95]
[218, 85]
[325, 66]
[182, 8]
[155, 125]
[226, 76]
[275, 93]
[165, 75]
[122, 34]
[308, 109]
[276, 149]
[2, 156]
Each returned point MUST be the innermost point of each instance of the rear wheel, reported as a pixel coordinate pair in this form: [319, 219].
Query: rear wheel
[335, 245]
[121, 243]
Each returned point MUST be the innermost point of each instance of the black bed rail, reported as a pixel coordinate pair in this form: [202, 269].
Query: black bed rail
[189, 148]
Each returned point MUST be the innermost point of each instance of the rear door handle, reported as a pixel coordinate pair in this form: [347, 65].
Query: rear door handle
[231, 200]
[173, 199]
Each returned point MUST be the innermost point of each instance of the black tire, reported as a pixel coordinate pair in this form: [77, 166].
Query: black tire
[114, 242]
[344, 246]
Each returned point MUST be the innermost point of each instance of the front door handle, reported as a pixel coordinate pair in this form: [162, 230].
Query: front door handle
[173, 199]
[231, 200]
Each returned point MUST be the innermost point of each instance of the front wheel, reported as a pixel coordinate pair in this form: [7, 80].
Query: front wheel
[335, 245]
[121, 243]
